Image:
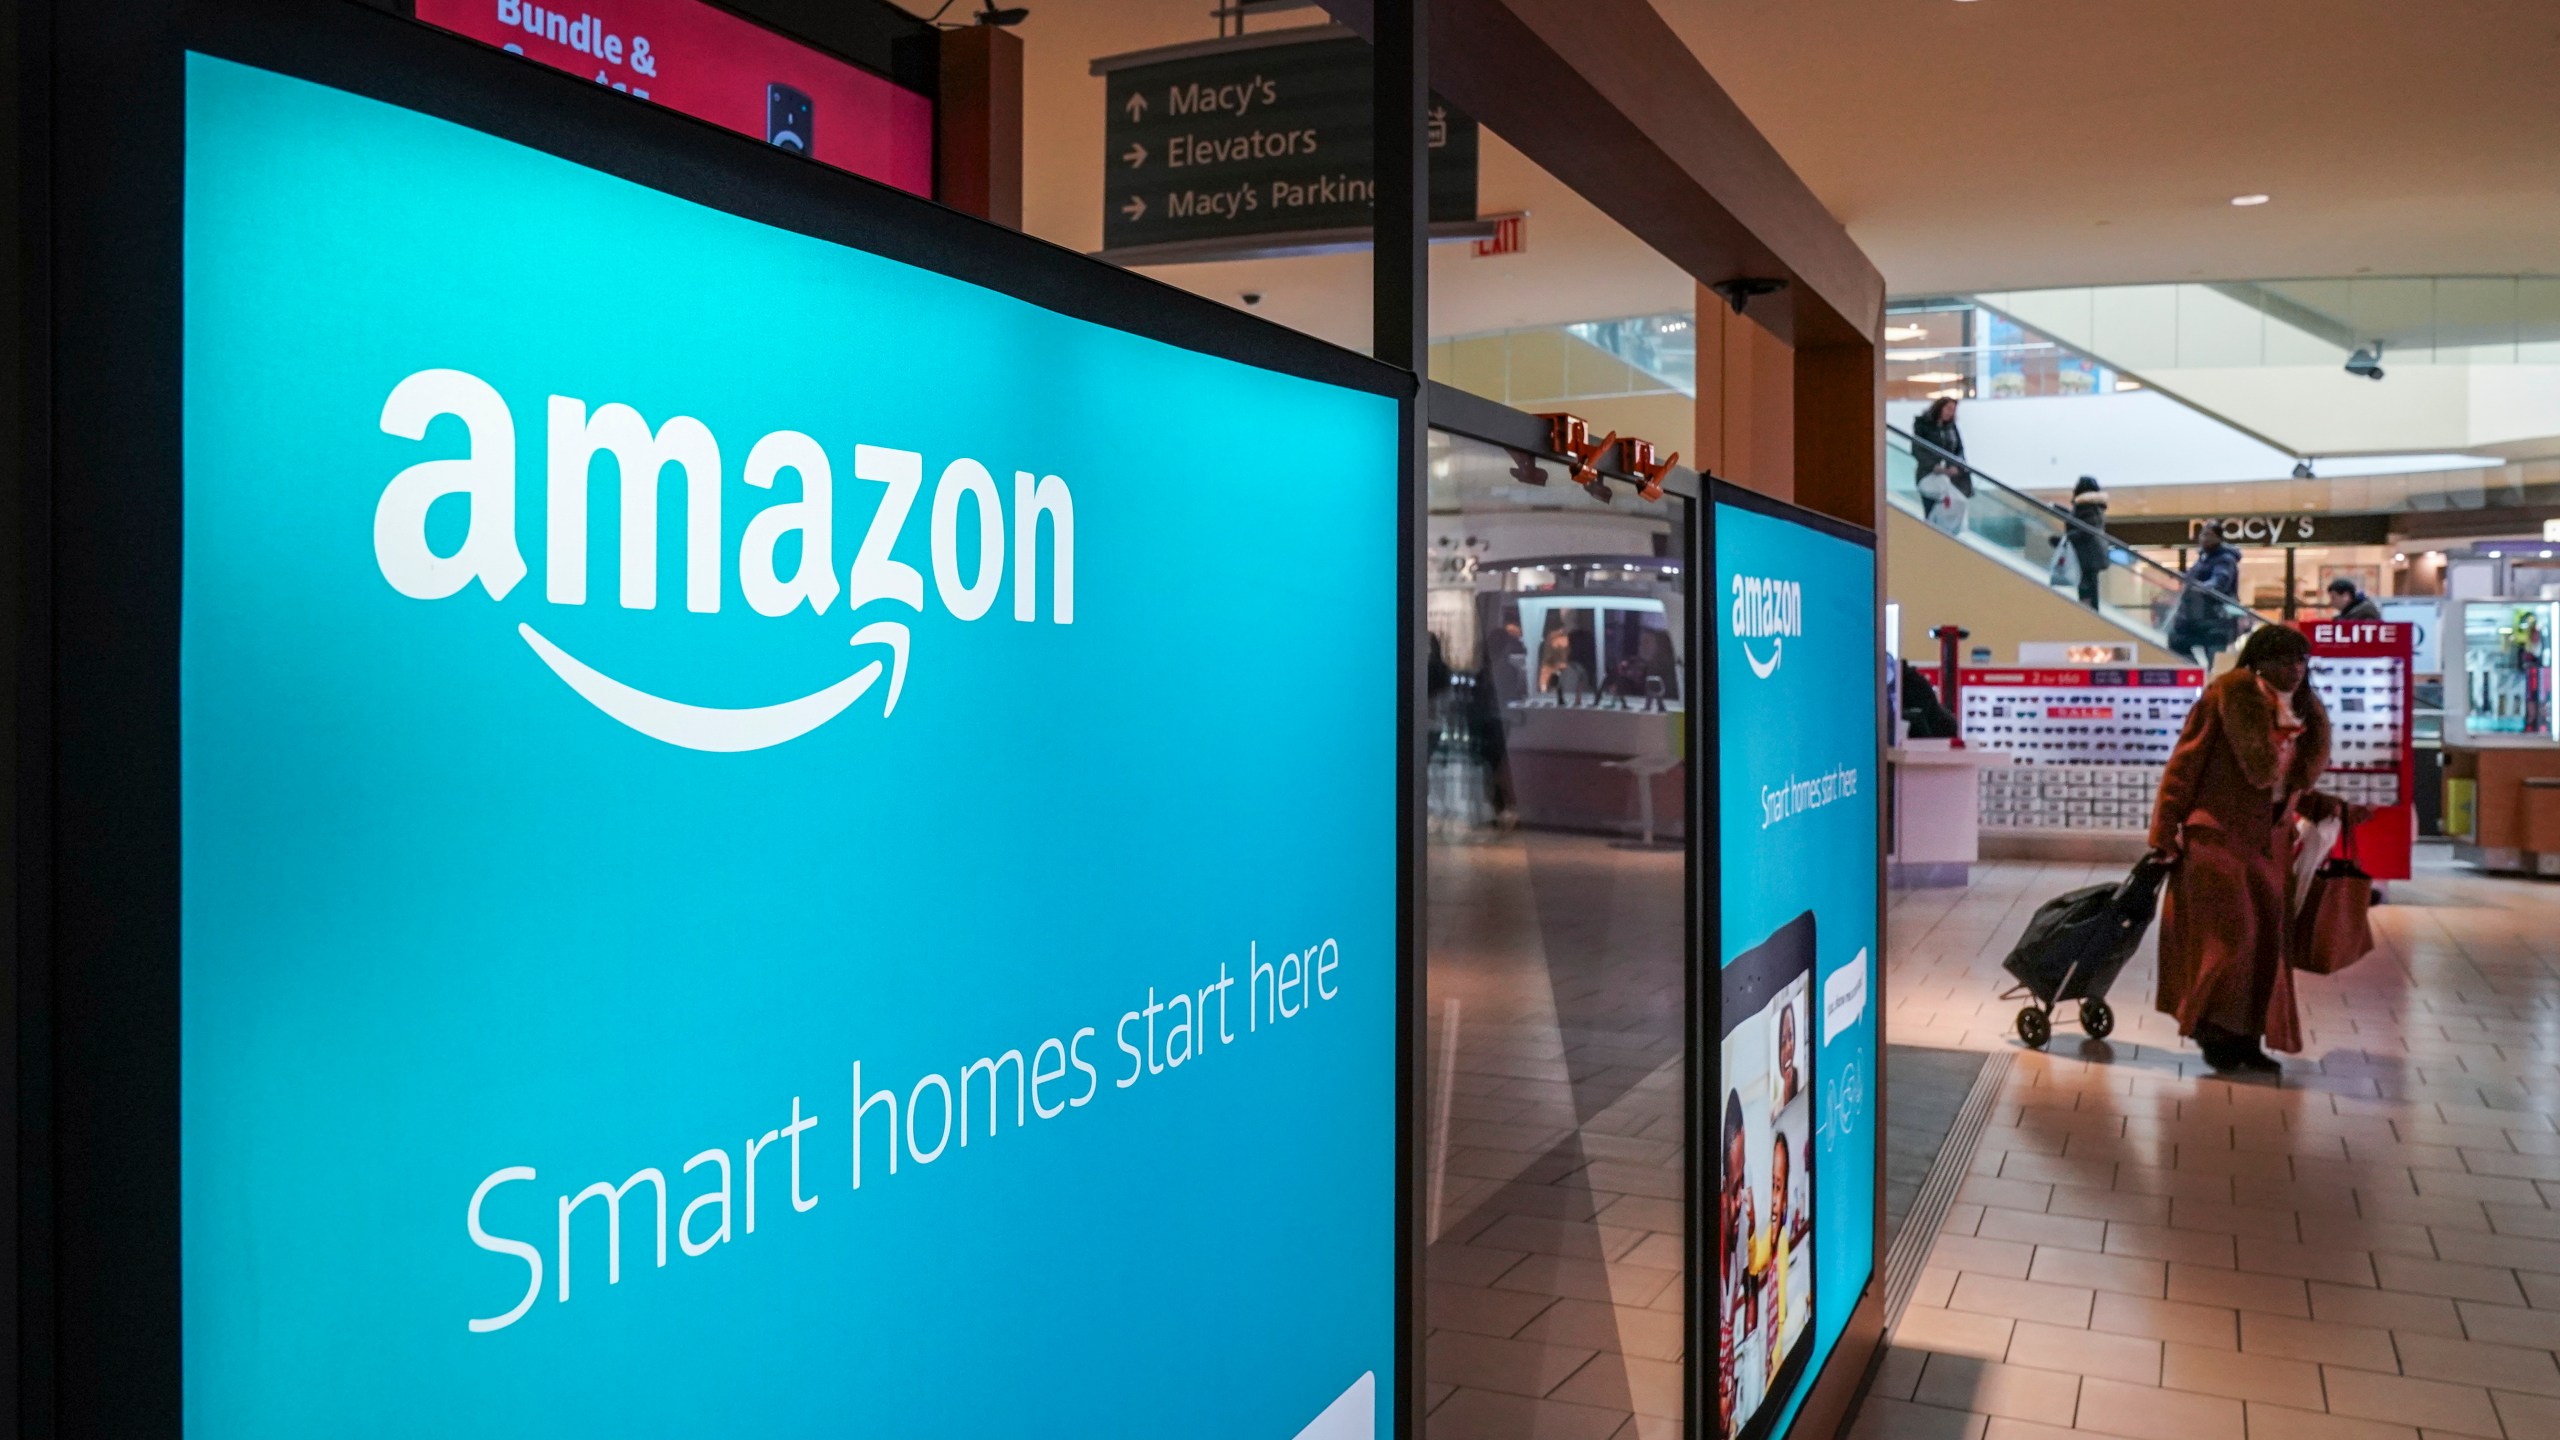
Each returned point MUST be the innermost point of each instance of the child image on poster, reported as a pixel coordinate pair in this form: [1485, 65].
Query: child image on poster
[1765, 1285]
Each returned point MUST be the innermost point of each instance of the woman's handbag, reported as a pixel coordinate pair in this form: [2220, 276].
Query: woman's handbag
[2331, 927]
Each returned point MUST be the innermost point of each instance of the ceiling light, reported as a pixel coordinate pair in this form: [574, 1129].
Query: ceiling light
[2128, 384]
[1933, 377]
[1905, 332]
[2244, 201]
[1947, 394]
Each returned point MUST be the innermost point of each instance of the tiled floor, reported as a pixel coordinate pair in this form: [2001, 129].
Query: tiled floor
[1555, 1055]
[2368, 1249]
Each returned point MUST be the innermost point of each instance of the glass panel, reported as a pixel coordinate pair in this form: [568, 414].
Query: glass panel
[1554, 1190]
[2218, 328]
[1565, 309]
[1929, 354]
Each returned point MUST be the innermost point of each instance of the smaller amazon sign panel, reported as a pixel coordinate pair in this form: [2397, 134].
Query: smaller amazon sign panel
[728, 886]
[1799, 663]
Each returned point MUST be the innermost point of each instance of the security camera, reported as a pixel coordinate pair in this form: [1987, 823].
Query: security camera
[2367, 363]
[1252, 298]
[1743, 290]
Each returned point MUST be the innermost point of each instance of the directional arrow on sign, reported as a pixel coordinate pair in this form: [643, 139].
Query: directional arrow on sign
[1136, 105]
[1135, 155]
[1136, 209]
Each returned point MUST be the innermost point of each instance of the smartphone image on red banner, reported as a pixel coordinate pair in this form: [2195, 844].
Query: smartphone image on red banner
[790, 118]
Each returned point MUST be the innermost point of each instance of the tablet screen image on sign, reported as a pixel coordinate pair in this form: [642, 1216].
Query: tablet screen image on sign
[1765, 1291]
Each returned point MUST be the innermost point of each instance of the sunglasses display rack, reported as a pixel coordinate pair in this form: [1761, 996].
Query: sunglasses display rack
[2088, 742]
[2361, 670]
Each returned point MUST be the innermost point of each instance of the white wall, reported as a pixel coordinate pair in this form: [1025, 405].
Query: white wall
[2135, 438]
[2130, 438]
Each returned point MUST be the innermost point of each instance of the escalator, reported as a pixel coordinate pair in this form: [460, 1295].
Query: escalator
[2024, 535]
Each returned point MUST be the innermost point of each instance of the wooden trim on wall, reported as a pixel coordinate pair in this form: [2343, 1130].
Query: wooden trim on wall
[1747, 402]
[977, 142]
[1839, 431]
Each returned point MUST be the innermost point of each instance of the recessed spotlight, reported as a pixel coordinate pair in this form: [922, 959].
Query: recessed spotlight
[2247, 200]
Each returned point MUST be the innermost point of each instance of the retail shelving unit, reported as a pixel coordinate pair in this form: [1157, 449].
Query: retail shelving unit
[2089, 742]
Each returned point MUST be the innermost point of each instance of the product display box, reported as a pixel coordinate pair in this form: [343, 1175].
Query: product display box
[2089, 742]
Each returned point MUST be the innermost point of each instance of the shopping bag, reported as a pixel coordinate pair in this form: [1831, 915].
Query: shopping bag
[2333, 930]
[2313, 840]
[2066, 566]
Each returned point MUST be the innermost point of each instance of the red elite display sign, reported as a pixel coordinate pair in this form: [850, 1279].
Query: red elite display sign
[718, 67]
[2361, 669]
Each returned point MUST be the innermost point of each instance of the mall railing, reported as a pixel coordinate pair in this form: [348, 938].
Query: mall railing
[2033, 538]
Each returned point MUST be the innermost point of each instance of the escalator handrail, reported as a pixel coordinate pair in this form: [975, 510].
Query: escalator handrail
[2071, 522]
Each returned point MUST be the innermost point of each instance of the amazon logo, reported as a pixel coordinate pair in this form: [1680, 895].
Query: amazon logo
[484, 476]
[1770, 610]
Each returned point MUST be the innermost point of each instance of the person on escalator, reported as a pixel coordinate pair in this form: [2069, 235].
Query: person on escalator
[2204, 625]
[1946, 487]
[2089, 546]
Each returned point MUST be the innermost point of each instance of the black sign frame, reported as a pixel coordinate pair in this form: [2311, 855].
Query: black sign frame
[1836, 1384]
[1278, 130]
[90, 571]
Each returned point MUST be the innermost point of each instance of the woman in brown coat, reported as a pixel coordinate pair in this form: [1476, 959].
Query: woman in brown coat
[2255, 744]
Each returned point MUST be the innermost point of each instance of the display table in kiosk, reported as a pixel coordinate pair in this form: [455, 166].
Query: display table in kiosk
[1937, 811]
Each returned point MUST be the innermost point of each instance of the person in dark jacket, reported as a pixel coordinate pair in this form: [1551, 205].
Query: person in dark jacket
[2089, 546]
[1926, 714]
[1945, 486]
[2349, 600]
[2204, 624]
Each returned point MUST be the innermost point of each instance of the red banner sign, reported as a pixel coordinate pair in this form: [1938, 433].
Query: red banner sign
[2103, 677]
[718, 67]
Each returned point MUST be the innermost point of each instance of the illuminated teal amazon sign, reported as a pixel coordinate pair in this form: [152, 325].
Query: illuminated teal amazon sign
[775, 842]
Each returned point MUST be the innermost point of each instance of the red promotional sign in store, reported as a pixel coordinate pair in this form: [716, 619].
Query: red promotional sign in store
[718, 67]
[2382, 845]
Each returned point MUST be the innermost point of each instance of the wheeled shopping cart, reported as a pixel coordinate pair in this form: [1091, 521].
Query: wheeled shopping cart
[2074, 947]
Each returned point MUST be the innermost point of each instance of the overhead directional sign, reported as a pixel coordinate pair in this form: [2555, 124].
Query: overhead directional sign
[1246, 143]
